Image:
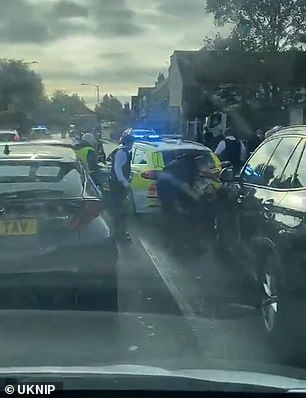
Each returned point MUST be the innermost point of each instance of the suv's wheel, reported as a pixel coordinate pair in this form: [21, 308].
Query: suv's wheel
[281, 320]
[272, 308]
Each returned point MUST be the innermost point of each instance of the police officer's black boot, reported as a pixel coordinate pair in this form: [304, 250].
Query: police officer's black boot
[120, 232]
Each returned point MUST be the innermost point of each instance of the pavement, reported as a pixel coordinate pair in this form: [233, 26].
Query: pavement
[174, 312]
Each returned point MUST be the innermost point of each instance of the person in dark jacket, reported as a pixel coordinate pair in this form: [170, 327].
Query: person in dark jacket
[120, 185]
[209, 139]
[256, 140]
[178, 201]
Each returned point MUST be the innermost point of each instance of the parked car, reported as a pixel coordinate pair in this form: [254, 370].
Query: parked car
[39, 132]
[9, 135]
[52, 233]
[267, 230]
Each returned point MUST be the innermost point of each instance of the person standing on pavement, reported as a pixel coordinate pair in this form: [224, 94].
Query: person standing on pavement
[199, 136]
[256, 140]
[232, 150]
[209, 139]
[120, 180]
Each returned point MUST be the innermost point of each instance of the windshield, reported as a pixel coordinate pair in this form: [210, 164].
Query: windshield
[171, 155]
[152, 206]
[5, 137]
[42, 177]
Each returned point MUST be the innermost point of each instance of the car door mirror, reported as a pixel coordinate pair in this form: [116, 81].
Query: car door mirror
[227, 175]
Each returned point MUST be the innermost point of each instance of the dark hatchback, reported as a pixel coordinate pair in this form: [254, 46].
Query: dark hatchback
[53, 236]
[265, 211]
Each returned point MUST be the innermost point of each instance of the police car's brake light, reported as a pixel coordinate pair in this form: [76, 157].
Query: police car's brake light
[152, 191]
[88, 212]
[150, 174]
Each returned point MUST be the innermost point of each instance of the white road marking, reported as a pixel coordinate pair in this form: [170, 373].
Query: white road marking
[183, 305]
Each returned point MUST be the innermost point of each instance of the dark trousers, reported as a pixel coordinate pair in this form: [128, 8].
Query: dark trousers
[188, 226]
[118, 207]
[180, 226]
[98, 177]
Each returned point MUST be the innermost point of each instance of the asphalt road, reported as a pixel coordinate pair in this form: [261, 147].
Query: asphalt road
[174, 312]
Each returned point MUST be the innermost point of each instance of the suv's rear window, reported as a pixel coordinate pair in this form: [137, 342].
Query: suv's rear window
[5, 137]
[171, 155]
[25, 175]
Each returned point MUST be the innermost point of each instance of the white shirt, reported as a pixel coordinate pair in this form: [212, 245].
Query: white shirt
[119, 161]
[221, 147]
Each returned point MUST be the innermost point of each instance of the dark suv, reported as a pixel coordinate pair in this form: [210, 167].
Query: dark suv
[268, 211]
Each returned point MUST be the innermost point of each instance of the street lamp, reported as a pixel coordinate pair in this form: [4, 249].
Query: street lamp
[97, 90]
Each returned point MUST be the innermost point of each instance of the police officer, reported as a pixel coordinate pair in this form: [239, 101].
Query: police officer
[86, 152]
[231, 149]
[119, 186]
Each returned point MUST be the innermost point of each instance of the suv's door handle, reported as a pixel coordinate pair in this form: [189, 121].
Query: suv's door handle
[268, 202]
[269, 215]
[241, 198]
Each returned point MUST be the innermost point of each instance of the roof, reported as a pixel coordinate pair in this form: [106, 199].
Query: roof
[37, 152]
[171, 145]
[144, 91]
[161, 91]
[43, 142]
[297, 129]
[185, 61]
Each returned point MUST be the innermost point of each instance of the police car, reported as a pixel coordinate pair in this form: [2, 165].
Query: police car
[140, 134]
[148, 160]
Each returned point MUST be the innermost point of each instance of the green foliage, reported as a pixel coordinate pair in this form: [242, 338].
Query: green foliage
[111, 109]
[60, 109]
[19, 86]
[263, 25]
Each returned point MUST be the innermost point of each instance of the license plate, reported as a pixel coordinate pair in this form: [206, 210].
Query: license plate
[18, 227]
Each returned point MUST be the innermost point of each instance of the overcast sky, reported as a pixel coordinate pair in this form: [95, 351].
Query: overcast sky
[118, 44]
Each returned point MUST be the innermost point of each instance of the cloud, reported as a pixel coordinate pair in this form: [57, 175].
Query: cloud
[69, 9]
[31, 21]
[182, 8]
[120, 44]
[115, 74]
[114, 18]
[15, 27]
[22, 21]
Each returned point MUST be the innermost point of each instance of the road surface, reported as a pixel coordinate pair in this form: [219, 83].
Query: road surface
[174, 312]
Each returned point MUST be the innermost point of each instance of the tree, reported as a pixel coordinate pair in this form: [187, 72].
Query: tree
[263, 25]
[21, 91]
[160, 79]
[61, 109]
[111, 109]
[259, 76]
